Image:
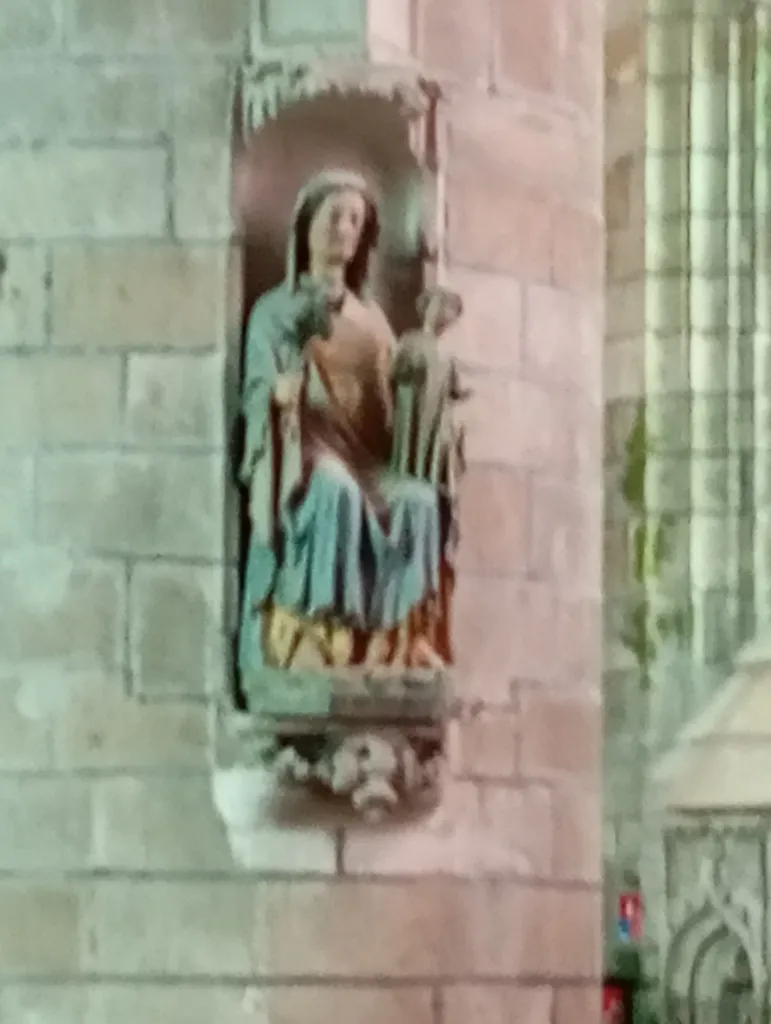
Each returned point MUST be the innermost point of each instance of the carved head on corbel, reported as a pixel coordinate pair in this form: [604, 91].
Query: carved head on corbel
[377, 771]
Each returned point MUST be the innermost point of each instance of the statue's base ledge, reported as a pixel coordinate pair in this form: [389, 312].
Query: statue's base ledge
[308, 702]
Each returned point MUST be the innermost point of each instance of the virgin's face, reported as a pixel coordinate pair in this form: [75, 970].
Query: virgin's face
[336, 227]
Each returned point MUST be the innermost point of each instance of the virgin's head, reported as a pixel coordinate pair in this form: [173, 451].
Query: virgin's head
[336, 226]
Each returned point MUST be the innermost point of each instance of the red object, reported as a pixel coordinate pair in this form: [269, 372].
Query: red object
[630, 914]
[613, 1005]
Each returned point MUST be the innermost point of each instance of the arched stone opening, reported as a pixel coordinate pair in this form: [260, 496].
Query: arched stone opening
[317, 666]
[709, 976]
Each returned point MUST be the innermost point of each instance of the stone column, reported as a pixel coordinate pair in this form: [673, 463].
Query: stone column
[761, 210]
[525, 248]
[667, 346]
[710, 345]
[624, 397]
[742, 241]
[490, 908]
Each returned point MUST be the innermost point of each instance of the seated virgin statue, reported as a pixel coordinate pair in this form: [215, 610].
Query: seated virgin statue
[346, 562]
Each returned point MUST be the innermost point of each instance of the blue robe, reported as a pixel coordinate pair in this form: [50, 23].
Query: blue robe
[318, 545]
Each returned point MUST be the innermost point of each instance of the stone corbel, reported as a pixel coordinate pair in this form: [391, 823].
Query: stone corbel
[376, 744]
[377, 770]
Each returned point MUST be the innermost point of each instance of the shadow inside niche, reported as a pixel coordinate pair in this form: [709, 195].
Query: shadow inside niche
[361, 133]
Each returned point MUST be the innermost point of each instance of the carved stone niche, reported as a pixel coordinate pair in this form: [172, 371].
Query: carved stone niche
[714, 962]
[352, 452]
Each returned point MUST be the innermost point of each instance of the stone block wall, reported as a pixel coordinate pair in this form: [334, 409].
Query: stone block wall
[120, 898]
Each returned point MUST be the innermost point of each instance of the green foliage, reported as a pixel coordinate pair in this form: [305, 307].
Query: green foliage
[651, 548]
[627, 965]
[645, 1012]
[635, 634]
[636, 447]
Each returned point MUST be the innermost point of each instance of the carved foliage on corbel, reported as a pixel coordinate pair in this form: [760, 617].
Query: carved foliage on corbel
[375, 770]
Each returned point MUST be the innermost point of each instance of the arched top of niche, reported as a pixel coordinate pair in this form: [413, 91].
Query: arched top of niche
[363, 109]
[268, 88]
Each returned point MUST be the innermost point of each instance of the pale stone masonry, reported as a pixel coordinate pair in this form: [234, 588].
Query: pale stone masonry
[120, 899]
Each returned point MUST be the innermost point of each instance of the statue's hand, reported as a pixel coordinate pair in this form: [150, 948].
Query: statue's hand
[287, 395]
[311, 309]
[287, 390]
[410, 361]
[400, 364]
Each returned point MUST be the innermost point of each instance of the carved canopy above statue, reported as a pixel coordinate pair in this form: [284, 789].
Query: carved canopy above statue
[267, 88]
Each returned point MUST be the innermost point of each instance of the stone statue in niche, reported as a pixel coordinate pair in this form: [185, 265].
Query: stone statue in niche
[351, 463]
